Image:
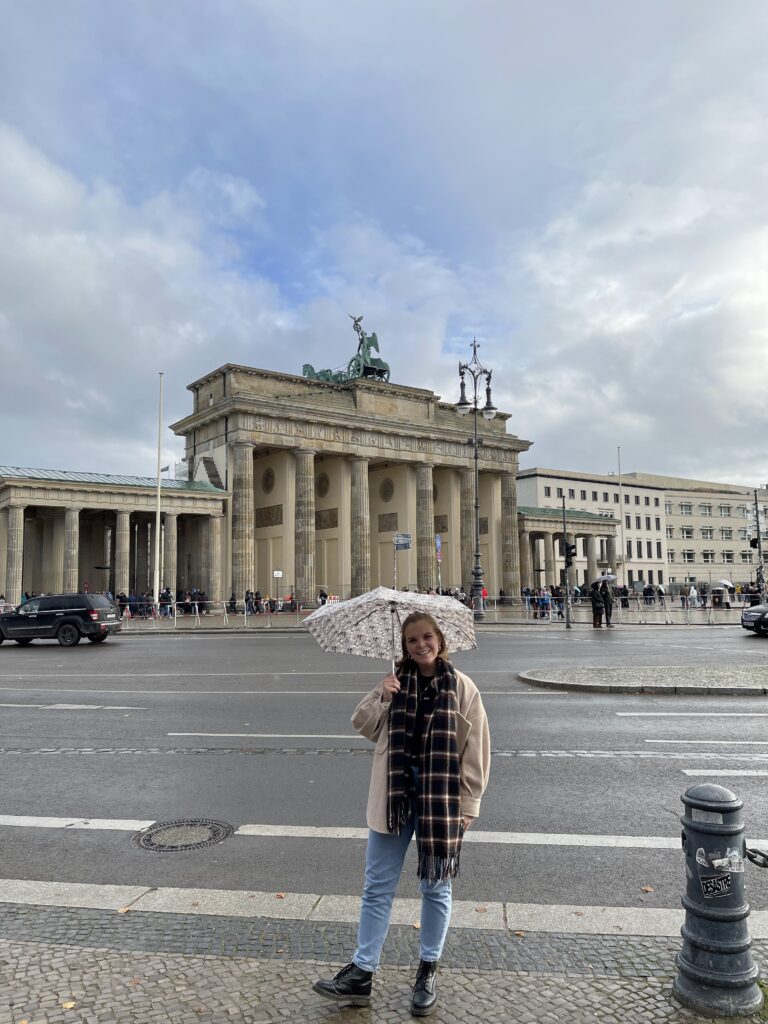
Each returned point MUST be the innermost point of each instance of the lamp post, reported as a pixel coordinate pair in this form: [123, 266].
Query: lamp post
[476, 371]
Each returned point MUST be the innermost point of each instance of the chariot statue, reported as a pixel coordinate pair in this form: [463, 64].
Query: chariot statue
[361, 365]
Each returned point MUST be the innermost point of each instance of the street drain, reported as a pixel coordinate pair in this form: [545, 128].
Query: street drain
[177, 836]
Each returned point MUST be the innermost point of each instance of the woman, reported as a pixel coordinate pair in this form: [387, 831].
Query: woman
[430, 770]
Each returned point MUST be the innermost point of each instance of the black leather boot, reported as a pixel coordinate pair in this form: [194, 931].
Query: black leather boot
[424, 999]
[351, 985]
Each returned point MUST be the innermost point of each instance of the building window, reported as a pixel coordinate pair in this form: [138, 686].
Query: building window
[708, 557]
[725, 510]
[670, 555]
[606, 497]
[705, 510]
[559, 492]
[657, 524]
[670, 532]
[637, 499]
[656, 505]
[689, 556]
[728, 557]
[547, 492]
[707, 533]
[746, 557]
[647, 522]
[668, 508]
[741, 510]
[658, 549]
[686, 532]
[626, 499]
[650, 575]
[638, 522]
[726, 533]
[686, 508]
[594, 495]
[649, 549]
[640, 576]
[583, 495]
[639, 546]
[571, 492]
[647, 500]
[743, 534]
[628, 522]
[629, 549]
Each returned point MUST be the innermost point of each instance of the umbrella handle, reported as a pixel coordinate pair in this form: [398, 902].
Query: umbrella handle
[392, 610]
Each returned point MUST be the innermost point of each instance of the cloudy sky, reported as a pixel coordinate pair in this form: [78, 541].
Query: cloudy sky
[581, 186]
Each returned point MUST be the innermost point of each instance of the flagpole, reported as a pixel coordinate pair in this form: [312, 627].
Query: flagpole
[156, 586]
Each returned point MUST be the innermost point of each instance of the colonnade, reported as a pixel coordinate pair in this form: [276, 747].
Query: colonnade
[53, 550]
[538, 563]
[360, 539]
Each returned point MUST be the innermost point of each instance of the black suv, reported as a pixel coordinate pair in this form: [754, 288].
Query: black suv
[64, 617]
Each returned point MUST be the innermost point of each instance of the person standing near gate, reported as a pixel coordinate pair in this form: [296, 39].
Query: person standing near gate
[607, 596]
[430, 770]
[598, 607]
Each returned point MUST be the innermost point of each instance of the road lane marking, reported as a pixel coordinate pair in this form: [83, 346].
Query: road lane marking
[691, 714]
[273, 735]
[268, 831]
[74, 707]
[724, 743]
[722, 771]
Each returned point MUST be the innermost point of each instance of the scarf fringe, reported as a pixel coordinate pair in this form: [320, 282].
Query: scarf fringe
[438, 869]
[398, 813]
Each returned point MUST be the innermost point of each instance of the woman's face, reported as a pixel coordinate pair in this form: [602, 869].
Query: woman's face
[422, 644]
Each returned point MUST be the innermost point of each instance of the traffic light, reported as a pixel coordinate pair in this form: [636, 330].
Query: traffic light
[753, 542]
[570, 554]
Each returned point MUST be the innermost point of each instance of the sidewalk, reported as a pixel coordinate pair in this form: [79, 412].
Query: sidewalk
[747, 680]
[62, 964]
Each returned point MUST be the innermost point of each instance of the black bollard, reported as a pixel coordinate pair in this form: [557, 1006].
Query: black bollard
[716, 974]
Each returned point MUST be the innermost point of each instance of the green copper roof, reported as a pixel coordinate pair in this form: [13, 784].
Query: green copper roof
[557, 513]
[67, 476]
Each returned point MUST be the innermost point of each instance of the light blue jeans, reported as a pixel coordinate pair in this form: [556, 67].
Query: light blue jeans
[383, 865]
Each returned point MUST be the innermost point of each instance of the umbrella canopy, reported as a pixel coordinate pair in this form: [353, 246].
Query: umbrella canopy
[370, 625]
[607, 577]
[725, 583]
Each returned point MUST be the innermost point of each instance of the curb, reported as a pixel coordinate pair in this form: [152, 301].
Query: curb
[664, 689]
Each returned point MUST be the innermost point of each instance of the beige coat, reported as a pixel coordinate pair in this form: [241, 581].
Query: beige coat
[371, 719]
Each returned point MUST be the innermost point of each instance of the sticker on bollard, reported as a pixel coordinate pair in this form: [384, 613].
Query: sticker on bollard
[716, 885]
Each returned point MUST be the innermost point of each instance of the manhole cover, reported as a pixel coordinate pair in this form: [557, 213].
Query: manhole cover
[188, 834]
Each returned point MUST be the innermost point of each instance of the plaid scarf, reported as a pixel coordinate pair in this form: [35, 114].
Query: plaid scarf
[438, 830]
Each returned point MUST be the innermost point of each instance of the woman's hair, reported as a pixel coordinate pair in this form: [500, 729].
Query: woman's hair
[421, 617]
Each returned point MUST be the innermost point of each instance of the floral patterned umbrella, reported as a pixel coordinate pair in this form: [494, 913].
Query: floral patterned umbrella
[370, 625]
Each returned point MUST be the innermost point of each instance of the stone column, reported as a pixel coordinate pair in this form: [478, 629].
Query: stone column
[213, 581]
[49, 564]
[467, 527]
[142, 557]
[3, 547]
[169, 575]
[510, 547]
[243, 577]
[425, 527]
[122, 552]
[305, 527]
[611, 552]
[526, 575]
[549, 560]
[71, 550]
[361, 528]
[15, 558]
[591, 559]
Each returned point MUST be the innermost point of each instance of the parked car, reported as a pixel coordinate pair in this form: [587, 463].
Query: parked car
[756, 619]
[63, 617]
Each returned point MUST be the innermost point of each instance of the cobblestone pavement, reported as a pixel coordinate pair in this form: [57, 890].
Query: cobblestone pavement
[61, 965]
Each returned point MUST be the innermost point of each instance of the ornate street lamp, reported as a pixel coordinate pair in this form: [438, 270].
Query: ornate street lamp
[476, 371]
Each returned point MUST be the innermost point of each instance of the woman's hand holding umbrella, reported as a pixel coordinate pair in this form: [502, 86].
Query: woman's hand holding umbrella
[390, 685]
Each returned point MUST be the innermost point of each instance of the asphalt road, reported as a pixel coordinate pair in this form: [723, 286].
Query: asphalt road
[255, 730]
